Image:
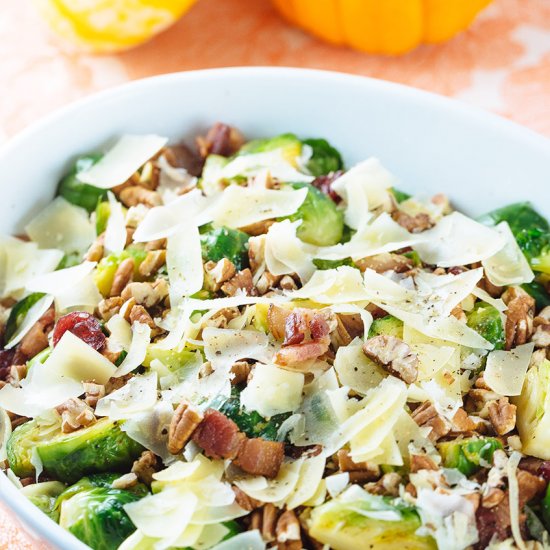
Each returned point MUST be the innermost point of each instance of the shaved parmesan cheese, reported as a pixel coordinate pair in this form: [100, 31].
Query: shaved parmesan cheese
[336, 483]
[382, 235]
[505, 370]
[141, 338]
[334, 286]
[431, 359]
[355, 370]
[241, 206]
[62, 225]
[184, 263]
[508, 266]
[172, 180]
[163, 221]
[120, 331]
[137, 395]
[57, 282]
[251, 540]
[272, 390]
[250, 165]
[222, 347]
[84, 296]
[364, 187]
[497, 303]
[5, 432]
[33, 315]
[115, 232]
[513, 487]
[127, 156]
[458, 240]
[22, 262]
[285, 253]
[311, 474]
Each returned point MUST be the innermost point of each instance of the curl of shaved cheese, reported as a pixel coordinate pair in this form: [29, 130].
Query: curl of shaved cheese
[382, 235]
[173, 180]
[311, 474]
[364, 187]
[431, 359]
[5, 432]
[23, 261]
[508, 266]
[56, 282]
[33, 315]
[250, 165]
[505, 370]
[334, 286]
[120, 333]
[355, 370]
[241, 206]
[115, 232]
[137, 395]
[458, 240]
[62, 225]
[336, 483]
[71, 362]
[163, 221]
[409, 435]
[141, 338]
[84, 296]
[251, 540]
[483, 295]
[275, 490]
[127, 156]
[184, 263]
[285, 253]
[222, 347]
[272, 390]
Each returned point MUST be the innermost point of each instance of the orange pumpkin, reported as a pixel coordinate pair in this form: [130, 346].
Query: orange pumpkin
[382, 26]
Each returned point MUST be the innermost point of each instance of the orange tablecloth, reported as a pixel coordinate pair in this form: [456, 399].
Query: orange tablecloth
[502, 63]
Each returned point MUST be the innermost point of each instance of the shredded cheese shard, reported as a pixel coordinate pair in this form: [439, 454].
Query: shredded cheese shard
[141, 338]
[242, 206]
[125, 158]
[355, 370]
[115, 232]
[508, 266]
[62, 225]
[505, 370]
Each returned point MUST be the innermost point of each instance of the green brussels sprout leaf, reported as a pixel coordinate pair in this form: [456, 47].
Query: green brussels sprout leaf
[18, 313]
[324, 159]
[223, 242]
[487, 322]
[388, 326]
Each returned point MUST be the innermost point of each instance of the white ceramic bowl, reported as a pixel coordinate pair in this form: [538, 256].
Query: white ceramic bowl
[430, 143]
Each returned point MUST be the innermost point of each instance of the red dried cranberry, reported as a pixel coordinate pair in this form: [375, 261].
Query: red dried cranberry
[84, 326]
[544, 470]
[324, 184]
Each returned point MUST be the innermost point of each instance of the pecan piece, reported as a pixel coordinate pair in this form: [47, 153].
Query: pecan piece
[393, 355]
[502, 415]
[94, 392]
[75, 414]
[109, 307]
[288, 528]
[123, 276]
[414, 224]
[146, 294]
[218, 273]
[126, 481]
[145, 466]
[240, 282]
[135, 194]
[154, 260]
[244, 501]
[386, 262]
[184, 422]
[221, 139]
[541, 336]
[427, 415]
[519, 316]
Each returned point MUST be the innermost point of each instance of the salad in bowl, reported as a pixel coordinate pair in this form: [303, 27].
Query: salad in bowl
[246, 344]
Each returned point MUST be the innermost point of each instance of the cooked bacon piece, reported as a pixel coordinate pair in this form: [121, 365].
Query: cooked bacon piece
[221, 139]
[295, 329]
[260, 457]
[218, 436]
[301, 352]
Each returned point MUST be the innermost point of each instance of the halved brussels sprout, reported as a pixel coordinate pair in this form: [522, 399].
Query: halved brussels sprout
[102, 447]
[387, 326]
[288, 143]
[102, 213]
[487, 322]
[18, 313]
[322, 222]
[223, 242]
[104, 273]
[44, 496]
[533, 411]
[324, 159]
[76, 192]
[468, 455]
[355, 520]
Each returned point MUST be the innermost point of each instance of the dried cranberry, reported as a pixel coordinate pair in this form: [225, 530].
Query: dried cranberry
[544, 470]
[324, 184]
[84, 326]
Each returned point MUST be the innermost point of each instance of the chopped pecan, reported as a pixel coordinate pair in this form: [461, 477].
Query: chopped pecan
[371, 472]
[422, 462]
[145, 466]
[75, 414]
[458, 313]
[427, 415]
[256, 249]
[96, 250]
[288, 528]
[287, 283]
[240, 371]
[502, 415]
[126, 481]
[462, 422]
[218, 436]
[265, 520]
[114, 384]
[267, 282]
[35, 340]
[414, 224]
[276, 320]
[387, 485]
[218, 273]
[260, 457]
[109, 307]
[138, 314]
[241, 282]
[157, 244]
[17, 373]
[348, 327]
[222, 317]
[478, 399]
[123, 276]
[493, 497]
[181, 156]
[244, 501]
[386, 262]
[393, 355]
[541, 336]
[146, 294]
[519, 316]
[136, 194]
[154, 260]
[184, 422]
[257, 229]
[93, 393]
[221, 139]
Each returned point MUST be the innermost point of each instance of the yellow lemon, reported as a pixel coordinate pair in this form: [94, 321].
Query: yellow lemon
[103, 26]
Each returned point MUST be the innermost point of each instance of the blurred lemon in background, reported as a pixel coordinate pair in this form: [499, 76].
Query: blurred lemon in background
[103, 26]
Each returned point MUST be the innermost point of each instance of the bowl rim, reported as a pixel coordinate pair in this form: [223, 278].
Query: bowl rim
[35, 521]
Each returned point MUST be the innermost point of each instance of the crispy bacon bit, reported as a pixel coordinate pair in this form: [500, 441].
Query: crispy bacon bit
[218, 436]
[295, 329]
[260, 457]
[301, 352]
[324, 184]
[181, 156]
[221, 139]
